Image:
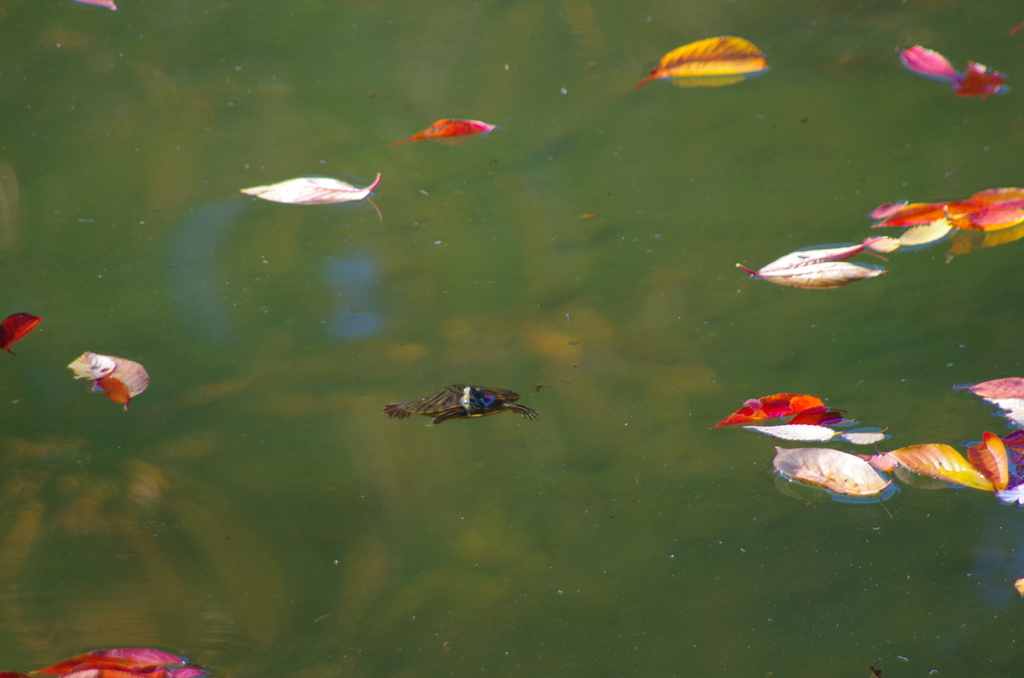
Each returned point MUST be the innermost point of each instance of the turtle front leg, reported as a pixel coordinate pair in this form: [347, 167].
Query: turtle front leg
[527, 412]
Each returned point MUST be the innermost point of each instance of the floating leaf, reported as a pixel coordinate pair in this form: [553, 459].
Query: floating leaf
[109, 4]
[312, 191]
[713, 62]
[1019, 584]
[119, 378]
[980, 81]
[449, 127]
[819, 255]
[883, 462]
[14, 327]
[830, 469]
[863, 436]
[1013, 495]
[914, 214]
[941, 462]
[989, 457]
[819, 276]
[1008, 387]
[928, 64]
[801, 432]
[887, 210]
[926, 233]
[994, 217]
[1012, 409]
[770, 407]
[117, 657]
[816, 417]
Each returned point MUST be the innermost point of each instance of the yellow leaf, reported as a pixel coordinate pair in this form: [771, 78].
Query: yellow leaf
[941, 462]
[713, 62]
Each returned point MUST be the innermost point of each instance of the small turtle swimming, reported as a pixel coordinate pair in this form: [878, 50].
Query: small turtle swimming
[460, 401]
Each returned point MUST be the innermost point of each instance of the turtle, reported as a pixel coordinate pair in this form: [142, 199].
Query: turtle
[460, 401]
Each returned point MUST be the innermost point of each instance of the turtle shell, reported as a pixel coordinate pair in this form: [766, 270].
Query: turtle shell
[459, 401]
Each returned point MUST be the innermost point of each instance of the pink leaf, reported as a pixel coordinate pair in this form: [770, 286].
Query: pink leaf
[929, 64]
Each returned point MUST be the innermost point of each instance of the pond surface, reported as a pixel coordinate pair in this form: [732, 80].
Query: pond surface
[256, 511]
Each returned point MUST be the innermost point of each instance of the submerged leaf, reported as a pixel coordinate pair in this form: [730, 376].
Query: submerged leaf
[450, 127]
[941, 462]
[14, 328]
[830, 469]
[712, 62]
[311, 191]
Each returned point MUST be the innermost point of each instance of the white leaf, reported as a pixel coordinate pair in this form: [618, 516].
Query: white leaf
[795, 432]
[311, 191]
[831, 469]
[863, 436]
[1012, 495]
[822, 276]
[1013, 409]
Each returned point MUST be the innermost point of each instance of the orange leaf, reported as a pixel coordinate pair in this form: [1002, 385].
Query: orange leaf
[989, 457]
[710, 63]
[914, 214]
[941, 462]
[448, 127]
[15, 327]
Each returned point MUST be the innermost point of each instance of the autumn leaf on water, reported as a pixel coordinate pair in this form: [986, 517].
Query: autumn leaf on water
[109, 4]
[823, 267]
[976, 81]
[313, 191]
[449, 127]
[941, 462]
[119, 378]
[713, 62]
[1007, 394]
[819, 276]
[14, 327]
[770, 407]
[990, 459]
[117, 658]
[830, 469]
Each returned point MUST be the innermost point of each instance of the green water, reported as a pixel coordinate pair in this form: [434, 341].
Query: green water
[255, 510]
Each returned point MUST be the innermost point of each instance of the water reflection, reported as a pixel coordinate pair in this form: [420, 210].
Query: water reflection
[353, 279]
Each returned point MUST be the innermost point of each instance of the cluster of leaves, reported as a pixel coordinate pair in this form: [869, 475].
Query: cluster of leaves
[119, 378]
[120, 663]
[994, 209]
[976, 81]
[995, 464]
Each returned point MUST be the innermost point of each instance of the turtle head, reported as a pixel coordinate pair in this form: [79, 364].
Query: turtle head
[475, 401]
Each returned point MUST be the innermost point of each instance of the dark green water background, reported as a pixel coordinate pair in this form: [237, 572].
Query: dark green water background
[256, 511]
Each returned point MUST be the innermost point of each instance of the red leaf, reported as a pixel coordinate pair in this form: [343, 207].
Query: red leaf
[815, 418]
[770, 407]
[15, 327]
[447, 127]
